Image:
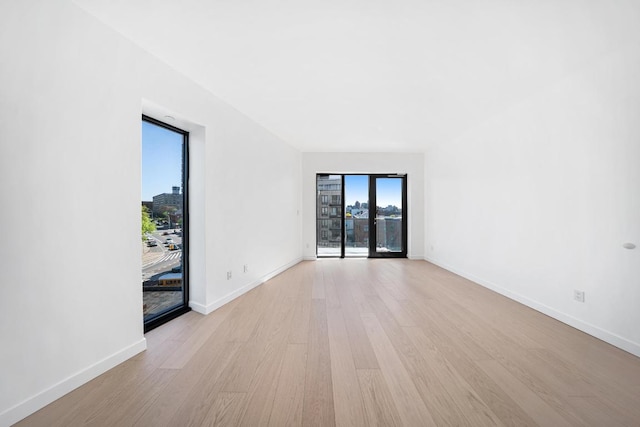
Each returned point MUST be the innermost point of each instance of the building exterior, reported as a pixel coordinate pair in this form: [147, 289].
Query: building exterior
[389, 235]
[167, 202]
[357, 229]
[148, 205]
[329, 211]
[361, 231]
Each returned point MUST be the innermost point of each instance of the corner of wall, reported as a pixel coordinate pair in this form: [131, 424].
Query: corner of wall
[210, 308]
[595, 331]
[45, 397]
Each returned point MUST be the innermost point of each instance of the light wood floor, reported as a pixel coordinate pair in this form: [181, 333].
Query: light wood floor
[363, 342]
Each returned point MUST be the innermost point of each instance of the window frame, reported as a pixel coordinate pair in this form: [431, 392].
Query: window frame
[173, 312]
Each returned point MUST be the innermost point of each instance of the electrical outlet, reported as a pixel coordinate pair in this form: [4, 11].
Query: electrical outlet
[246, 268]
[228, 275]
[578, 295]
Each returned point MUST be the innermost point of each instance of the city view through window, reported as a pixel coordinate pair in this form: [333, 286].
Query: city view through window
[162, 219]
[348, 221]
[388, 217]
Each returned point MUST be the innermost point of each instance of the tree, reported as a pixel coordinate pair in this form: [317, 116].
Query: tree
[147, 224]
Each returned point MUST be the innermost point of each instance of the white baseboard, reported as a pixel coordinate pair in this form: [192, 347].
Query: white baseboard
[310, 258]
[197, 307]
[209, 308]
[595, 331]
[416, 257]
[42, 399]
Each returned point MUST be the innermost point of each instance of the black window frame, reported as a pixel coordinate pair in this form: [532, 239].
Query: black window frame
[173, 312]
[373, 253]
[339, 214]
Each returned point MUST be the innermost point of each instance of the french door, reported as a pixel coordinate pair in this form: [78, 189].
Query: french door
[361, 215]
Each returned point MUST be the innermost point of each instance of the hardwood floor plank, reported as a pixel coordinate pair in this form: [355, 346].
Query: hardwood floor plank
[454, 346]
[398, 289]
[273, 329]
[605, 364]
[474, 410]
[203, 387]
[81, 401]
[225, 410]
[379, 406]
[318, 283]
[199, 336]
[262, 391]
[244, 318]
[330, 291]
[529, 401]
[299, 331]
[393, 306]
[436, 398]
[109, 396]
[361, 350]
[412, 410]
[578, 383]
[523, 364]
[197, 378]
[425, 313]
[237, 377]
[595, 412]
[346, 390]
[263, 386]
[362, 342]
[173, 330]
[318, 409]
[289, 397]
[359, 297]
[485, 309]
[131, 404]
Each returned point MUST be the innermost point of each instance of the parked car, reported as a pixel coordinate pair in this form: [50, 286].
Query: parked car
[152, 243]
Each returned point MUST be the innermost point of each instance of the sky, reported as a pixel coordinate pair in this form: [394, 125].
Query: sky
[161, 160]
[389, 190]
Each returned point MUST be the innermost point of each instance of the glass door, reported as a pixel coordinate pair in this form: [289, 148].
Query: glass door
[356, 215]
[360, 215]
[387, 219]
[165, 225]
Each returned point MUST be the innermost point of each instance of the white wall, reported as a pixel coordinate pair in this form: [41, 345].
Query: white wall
[539, 201]
[70, 296]
[410, 163]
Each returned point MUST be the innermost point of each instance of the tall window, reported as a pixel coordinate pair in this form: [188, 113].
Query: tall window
[165, 222]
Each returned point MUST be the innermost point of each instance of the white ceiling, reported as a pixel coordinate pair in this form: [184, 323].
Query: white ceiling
[373, 75]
